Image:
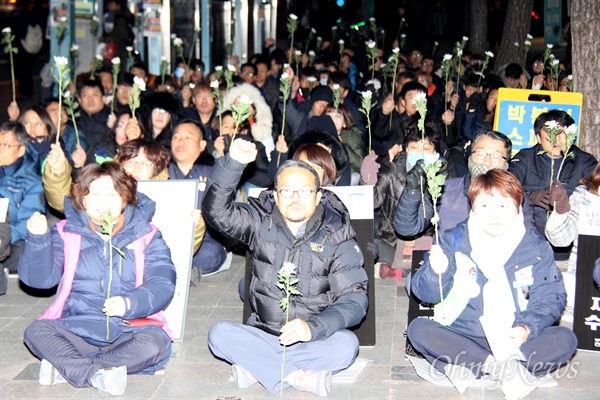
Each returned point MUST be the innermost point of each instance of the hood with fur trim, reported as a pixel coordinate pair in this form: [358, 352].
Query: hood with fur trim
[263, 120]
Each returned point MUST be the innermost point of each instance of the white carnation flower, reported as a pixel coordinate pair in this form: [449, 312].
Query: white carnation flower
[555, 62]
[285, 76]
[529, 37]
[116, 61]
[341, 41]
[367, 94]
[288, 269]
[570, 77]
[214, 84]
[129, 49]
[371, 44]
[372, 19]
[6, 30]
[465, 39]
[311, 79]
[516, 44]
[552, 124]
[139, 82]
[527, 43]
[99, 57]
[549, 45]
[571, 129]
[396, 50]
[489, 54]
[231, 67]
[403, 35]
[336, 86]
[177, 42]
[61, 60]
[312, 53]
[421, 96]
[293, 16]
[245, 99]
[447, 57]
[75, 48]
[219, 68]
[298, 52]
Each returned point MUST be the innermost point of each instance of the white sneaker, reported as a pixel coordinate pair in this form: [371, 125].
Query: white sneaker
[112, 380]
[242, 378]
[49, 375]
[317, 382]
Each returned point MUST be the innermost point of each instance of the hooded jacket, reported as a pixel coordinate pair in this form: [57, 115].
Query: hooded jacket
[329, 263]
[42, 261]
[263, 120]
[21, 184]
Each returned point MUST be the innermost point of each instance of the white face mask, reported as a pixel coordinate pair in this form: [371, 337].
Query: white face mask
[323, 82]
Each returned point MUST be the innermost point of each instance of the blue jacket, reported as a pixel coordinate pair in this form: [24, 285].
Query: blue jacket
[42, 262]
[21, 183]
[536, 282]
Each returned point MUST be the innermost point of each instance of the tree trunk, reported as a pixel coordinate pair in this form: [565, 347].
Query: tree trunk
[479, 14]
[585, 31]
[516, 28]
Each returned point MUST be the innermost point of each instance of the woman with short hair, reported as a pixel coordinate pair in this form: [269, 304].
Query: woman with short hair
[115, 275]
[497, 292]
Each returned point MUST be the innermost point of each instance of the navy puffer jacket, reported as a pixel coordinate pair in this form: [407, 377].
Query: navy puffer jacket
[41, 266]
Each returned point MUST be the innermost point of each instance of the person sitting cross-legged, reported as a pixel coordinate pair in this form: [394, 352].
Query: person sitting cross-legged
[304, 232]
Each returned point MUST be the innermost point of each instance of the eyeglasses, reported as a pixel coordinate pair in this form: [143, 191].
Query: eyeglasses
[250, 74]
[160, 110]
[199, 69]
[418, 55]
[7, 146]
[302, 193]
[480, 155]
[142, 165]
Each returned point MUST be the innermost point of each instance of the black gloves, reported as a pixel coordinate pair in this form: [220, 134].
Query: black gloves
[413, 177]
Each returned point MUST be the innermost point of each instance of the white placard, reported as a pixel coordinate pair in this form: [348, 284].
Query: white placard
[589, 217]
[3, 209]
[175, 201]
[357, 199]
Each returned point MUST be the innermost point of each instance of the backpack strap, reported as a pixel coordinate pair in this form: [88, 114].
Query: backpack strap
[72, 244]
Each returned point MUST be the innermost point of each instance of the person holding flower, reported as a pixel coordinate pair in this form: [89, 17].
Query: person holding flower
[116, 276]
[536, 167]
[497, 293]
[301, 230]
[562, 228]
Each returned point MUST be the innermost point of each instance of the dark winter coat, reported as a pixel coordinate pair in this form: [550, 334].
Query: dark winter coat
[42, 262]
[533, 171]
[329, 263]
[21, 183]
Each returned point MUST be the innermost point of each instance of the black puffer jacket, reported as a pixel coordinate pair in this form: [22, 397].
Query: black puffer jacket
[329, 263]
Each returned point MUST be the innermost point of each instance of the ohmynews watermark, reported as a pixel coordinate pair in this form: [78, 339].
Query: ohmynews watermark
[506, 370]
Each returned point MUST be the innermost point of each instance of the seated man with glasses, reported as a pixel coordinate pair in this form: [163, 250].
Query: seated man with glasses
[21, 184]
[489, 150]
[301, 232]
